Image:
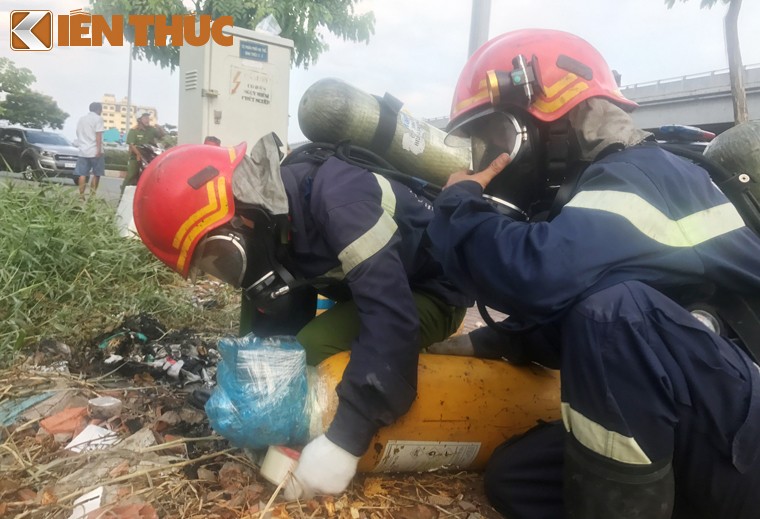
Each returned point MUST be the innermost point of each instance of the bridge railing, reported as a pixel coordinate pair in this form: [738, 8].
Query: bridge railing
[705, 84]
[720, 74]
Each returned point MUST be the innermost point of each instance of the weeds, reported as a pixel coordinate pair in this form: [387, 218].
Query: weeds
[66, 273]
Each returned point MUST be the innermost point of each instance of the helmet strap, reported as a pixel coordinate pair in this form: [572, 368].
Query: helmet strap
[271, 238]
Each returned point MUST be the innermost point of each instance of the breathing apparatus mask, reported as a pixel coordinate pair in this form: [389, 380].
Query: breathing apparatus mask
[250, 250]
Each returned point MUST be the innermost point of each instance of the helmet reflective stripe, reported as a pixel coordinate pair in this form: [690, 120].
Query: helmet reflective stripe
[567, 95]
[216, 209]
[688, 231]
[481, 95]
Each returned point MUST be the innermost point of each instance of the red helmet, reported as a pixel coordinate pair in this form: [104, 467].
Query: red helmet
[183, 194]
[544, 72]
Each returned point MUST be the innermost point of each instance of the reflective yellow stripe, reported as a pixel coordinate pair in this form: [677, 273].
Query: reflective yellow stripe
[553, 90]
[232, 153]
[688, 231]
[216, 209]
[368, 244]
[388, 200]
[336, 273]
[548, 107]
[609, 444]
[479, 96]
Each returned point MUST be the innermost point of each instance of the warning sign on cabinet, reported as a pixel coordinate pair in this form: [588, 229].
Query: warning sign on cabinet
[251, 86]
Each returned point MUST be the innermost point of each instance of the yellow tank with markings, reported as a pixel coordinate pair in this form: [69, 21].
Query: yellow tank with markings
[465, 408]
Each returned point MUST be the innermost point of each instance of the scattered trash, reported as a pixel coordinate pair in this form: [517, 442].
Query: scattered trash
[92, 438]
[70, 421]
[104, 407]
[65, 450]
[279, 464]
[89, 502]
[141, 346]
[12, 409]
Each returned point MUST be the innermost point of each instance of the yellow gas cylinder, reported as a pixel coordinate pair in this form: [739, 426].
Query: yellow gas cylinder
[465, 408]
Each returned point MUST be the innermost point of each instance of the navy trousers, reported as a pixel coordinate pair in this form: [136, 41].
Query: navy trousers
[643, 382]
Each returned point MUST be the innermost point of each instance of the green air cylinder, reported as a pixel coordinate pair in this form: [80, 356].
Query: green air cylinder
[332, 111]
[738, 151]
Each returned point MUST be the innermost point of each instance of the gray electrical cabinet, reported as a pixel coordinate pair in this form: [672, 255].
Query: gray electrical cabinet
[236, 93]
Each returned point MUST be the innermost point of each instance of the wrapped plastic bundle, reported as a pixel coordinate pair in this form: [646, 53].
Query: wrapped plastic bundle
[261, 393]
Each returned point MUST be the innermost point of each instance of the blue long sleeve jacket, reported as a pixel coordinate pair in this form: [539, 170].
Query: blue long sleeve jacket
[368, 232]
[638, 214]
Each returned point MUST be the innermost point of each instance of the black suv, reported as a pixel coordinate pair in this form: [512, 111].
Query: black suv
[37, 154]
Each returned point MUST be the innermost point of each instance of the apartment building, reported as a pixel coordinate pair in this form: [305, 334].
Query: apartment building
[115, 113]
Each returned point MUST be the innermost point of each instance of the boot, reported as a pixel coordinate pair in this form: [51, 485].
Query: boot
[596, 487]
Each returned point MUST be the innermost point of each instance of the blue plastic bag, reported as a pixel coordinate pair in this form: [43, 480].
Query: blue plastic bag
[261, 393]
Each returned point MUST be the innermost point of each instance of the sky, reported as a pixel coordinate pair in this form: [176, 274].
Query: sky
[418, 49]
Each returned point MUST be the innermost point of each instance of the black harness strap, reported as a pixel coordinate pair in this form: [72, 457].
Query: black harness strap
[386, 125]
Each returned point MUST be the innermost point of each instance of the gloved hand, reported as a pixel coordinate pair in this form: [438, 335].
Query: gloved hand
[324, 468]
[455, 345]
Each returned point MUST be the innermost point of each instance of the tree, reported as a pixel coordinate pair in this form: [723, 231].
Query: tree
[21, 105]
[302, 21]
[735, 65]
[13, 79]
[30, 108]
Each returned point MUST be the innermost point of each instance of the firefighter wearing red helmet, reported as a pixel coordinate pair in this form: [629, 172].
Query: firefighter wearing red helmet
[611, 260]
[282, 232]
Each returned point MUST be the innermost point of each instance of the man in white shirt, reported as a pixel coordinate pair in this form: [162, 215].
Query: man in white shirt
[90, 143]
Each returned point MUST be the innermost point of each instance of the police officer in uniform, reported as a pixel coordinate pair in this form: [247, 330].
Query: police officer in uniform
[142, 133]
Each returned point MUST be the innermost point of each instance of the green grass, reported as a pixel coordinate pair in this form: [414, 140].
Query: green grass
[65, 272]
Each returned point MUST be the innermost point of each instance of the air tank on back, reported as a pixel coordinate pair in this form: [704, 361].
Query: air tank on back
[737, 150]
[332, 110]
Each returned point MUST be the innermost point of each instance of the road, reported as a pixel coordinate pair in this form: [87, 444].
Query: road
[109, 188]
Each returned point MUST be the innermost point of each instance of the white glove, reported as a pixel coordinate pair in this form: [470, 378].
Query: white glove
[455, 345]
[324, 468]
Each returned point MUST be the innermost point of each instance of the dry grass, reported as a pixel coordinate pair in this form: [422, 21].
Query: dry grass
[189, 472]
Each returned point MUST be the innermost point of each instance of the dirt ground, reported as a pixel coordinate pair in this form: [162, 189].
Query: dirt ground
[168, 463]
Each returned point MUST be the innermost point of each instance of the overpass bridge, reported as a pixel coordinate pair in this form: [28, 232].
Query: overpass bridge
[702, 100]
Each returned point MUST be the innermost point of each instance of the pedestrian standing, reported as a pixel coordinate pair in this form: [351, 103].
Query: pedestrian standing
[90, 143]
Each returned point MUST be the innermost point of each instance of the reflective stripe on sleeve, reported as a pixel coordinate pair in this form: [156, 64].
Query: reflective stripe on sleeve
[688, 231]
[370, 243]
[388, 200]
[609, 444]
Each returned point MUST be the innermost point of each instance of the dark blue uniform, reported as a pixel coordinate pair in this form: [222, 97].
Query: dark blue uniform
[367, 233]
[643, 382]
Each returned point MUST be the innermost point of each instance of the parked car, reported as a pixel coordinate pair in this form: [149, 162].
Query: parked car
[37, 154]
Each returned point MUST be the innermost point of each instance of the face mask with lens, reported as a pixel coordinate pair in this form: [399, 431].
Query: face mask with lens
[222, 255]
[494, 134]
[243, 257]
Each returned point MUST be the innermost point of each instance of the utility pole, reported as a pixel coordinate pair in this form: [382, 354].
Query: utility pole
[481, 16]
[129, 95]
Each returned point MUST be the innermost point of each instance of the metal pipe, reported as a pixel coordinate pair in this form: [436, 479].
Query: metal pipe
[481, 16]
